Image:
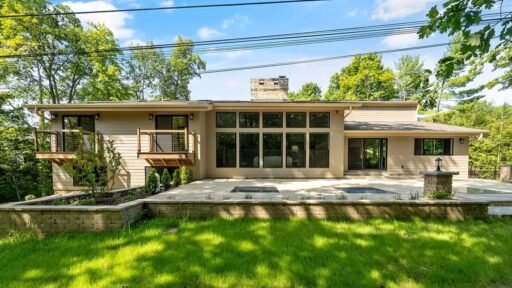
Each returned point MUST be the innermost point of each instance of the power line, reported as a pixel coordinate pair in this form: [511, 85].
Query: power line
[270, 41]
[320, 59]
[218, 5]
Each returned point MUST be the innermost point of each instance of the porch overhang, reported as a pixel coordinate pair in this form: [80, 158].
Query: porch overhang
[128, 106]
[416, 128]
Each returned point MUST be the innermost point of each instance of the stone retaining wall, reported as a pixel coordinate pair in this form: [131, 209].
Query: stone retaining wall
[44, 220]
[334, 210]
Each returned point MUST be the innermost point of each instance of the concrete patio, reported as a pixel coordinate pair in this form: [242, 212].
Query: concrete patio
[333, 189]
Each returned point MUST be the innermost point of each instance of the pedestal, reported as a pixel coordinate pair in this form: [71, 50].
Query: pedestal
[437, 181]
[506, 173]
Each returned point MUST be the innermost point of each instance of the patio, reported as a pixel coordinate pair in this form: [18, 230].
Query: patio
[332, 189]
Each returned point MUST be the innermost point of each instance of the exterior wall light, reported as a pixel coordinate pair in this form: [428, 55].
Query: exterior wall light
[191, 117]
[97, 116]
[53, 116]
[439, 163]
[151, 116]
[461, 140]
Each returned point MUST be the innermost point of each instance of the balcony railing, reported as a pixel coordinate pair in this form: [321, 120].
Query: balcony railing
[61, 145]
[166, 147]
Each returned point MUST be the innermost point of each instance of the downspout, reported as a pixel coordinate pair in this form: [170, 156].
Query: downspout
[349, 111]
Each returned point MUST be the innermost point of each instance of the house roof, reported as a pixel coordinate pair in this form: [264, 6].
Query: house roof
[204, 105]
[408, 127]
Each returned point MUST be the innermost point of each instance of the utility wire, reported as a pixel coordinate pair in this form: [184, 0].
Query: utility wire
[269, 41]
[217, 5]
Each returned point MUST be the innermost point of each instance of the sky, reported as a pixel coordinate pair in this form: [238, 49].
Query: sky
[231, 22]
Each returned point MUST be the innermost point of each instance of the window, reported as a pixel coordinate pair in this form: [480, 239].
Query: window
[249, 153]
[226, 120]
[296, 119]
[169, 142]
[70, 140]
[226, 149]
[272, 120]
[249, 119]
[295, 150]
[433, 146]
[272, 150]
[319, 150]
[319, 119]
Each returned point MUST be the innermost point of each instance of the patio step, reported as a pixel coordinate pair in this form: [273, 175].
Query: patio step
[500, 211]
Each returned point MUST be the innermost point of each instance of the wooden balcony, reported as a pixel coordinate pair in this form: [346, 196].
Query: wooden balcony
[51, 145]
[171, 148]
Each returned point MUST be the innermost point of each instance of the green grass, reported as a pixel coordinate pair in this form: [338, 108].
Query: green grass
[279, 253]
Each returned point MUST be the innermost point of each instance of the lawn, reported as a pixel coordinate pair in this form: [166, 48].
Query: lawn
[256, 253]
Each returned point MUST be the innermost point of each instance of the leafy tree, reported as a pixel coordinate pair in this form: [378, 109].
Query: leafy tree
[412, 80]
[176, 178]
[496, 148]
[96, 168]
[166, 179]
[185, 175]
[144, 70]
[333, 91]
[151, 185]
[476, 43]
[308, 92]
[365, 78]
[180, 68]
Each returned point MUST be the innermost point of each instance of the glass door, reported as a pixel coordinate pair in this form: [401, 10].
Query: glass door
[367, 153]
[170, 142]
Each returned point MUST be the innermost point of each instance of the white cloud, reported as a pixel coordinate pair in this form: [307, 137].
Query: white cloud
[117, 22]
[393, 9]
[353, 12]
[237, 20]
[401, 41]
[167, 3]
[206, 33]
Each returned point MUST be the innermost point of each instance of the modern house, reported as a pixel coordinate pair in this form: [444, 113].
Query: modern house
[267, 137]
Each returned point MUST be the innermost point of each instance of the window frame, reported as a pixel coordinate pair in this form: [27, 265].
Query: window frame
[305, 149]
[328, 120]
[421, 151]
[217, 114]
[302, 113]
[281, 148]
[328, 149]
[240, 149]
[270, 127]
[240, 120]
[217, 148]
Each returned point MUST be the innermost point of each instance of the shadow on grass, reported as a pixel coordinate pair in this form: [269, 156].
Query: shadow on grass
[277, 253]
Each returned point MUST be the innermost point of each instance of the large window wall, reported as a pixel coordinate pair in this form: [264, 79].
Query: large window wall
[252, 139]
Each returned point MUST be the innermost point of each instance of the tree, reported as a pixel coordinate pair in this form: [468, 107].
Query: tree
[144, 70]
[462, 17]
[180, 68]
[166, 179]
[333, 91]
[308, 92]
[365, 78]
[412, 80]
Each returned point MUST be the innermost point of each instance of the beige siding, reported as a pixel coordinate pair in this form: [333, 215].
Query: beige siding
[382, 113]
[335, 159]
[403, 162]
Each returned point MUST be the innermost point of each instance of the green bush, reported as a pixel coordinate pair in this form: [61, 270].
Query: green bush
[86, 202]
[176, 178]
[438, 195]
[166, 179]
[29, 197]
[186, 175]
[151, 183]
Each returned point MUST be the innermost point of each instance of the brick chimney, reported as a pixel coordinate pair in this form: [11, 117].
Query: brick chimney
[269, 89]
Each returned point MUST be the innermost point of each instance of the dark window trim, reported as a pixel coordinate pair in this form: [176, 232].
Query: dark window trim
[328, 149]
[64, 127]
[236, 149]
[305, 119]
[240, 150]
[283, 148]
[272, 127]
[249, 112]
[170, 115]
[328, 120]
[217, 123]
[305, 150]
[422, 153]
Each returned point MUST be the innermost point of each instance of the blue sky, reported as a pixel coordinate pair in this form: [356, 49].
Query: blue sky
[220, 23]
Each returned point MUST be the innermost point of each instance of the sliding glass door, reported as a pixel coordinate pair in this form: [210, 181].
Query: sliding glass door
[367, 153]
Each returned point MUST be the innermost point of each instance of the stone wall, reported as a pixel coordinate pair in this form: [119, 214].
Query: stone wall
[334, 210]
[45, 220]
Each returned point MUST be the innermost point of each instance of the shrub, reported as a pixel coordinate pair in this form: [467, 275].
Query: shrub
[186, 175]
[86, 202]
[438, 195]
[151, 185]
[176, 178]
[166, 179]
[29, 197]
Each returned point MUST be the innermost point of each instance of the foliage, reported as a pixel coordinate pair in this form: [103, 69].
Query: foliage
[412, 80]
[365, 78]
[144, 70]
[486, 154]
[179, 70]
[176, 178]
[30, 197]
[96, 167]
[477, 43]
[151, 185]
[455, 253]
[308, 92]
[439, 195]
[185, 175]
[166, 179]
